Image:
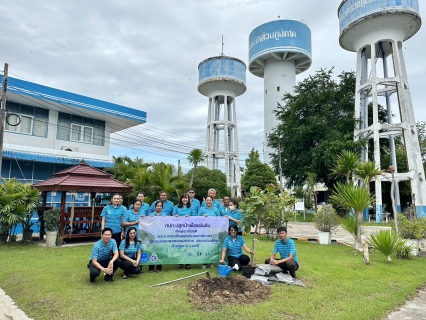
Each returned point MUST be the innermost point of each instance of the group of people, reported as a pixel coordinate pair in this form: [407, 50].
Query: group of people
[119, 246]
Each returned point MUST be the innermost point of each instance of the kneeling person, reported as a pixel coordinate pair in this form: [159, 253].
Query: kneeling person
[130, 254]
[287, 249]
[233, 244]
[104, 257]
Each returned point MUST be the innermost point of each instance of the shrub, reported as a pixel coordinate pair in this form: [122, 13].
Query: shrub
[386, 242]
[414, 228]
[326, 219]
[51, 218]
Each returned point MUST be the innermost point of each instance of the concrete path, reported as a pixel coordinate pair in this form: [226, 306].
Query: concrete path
[414, 309]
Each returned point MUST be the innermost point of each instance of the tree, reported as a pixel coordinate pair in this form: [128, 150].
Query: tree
[315, 124]
[421, 131]
[310, 190]
[346, 164]
[196, 156]
[355, 197]
[165, 177]
[257, 173]
[205, 179]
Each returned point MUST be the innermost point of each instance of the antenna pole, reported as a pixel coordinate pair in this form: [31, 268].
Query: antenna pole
[222, 45]
[3, 111]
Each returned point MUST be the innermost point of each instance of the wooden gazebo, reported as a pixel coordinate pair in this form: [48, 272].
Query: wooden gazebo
[81, 221]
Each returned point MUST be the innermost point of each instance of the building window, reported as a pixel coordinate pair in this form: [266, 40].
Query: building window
[33, 120]
[81, 133]
[80, 129]
[278, 89]
[266, 91]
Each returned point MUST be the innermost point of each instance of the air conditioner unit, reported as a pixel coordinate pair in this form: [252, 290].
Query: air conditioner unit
[71, 149]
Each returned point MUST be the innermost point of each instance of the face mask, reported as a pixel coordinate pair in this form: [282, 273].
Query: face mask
[231, 207]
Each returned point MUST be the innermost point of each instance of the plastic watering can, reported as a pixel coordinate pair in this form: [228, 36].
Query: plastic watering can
[223, 270]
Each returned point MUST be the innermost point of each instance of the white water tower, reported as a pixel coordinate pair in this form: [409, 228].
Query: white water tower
[376, 31]
[278, 51]
[222, 79]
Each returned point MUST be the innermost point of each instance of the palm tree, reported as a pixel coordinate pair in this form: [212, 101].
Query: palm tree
[164, 177]
[355, 197]
[345, 164]
[195, 157]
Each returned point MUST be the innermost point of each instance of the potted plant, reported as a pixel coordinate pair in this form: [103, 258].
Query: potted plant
[413, 229]
[51, 219]
[326, 220]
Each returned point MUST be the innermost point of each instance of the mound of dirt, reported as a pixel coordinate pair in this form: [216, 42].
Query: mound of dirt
[229, 290]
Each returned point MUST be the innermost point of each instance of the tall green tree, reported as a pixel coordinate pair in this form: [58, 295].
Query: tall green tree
[206, 179]
[165, 177]
[316, 123]
[257, 173]
[346, 164]
[253, 157]
[195, 157]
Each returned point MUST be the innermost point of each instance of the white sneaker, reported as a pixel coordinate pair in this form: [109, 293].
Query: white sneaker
[211, 266]
[235, 267]
[204, 266]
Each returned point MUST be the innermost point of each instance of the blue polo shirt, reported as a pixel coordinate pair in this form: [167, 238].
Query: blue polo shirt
[181, 212]
[235, 215]
[234, 246]
[168, 207]
[132, 250]
[131, 216]
[113, 217]
[162, 214]
[212, 212]
[103, 252]
[285, 249]
[195, 203]
[223, 210]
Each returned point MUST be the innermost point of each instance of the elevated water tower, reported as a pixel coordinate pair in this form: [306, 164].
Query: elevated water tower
[278, 51]
[222, 79]
[376, 30]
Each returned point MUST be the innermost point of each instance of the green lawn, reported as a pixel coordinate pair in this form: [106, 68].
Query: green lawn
[52, 283]
[309, 217]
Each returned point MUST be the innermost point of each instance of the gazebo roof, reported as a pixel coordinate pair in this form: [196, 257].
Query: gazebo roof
[82, 178]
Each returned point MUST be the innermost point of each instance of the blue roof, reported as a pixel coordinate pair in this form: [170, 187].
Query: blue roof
[30, 156]
[38, 91]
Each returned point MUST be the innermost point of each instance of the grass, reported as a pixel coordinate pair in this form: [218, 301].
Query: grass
[309, 217]
[52, 283]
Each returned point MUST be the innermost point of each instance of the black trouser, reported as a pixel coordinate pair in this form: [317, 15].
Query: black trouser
[129, 268]
[241, 261]
[95, 272]
[117, 238]
[151, 267]
[290, 266]
[240, 233]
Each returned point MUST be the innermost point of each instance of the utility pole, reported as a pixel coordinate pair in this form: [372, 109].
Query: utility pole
[3, 111]
[281, 171]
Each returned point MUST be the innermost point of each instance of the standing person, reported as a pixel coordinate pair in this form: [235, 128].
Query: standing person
[209, 211]
[287, 249]
[104, 257]
[158, 213]
[112, 216]
[195, 203]
[130, 253]
[145, 206]
[233, 244]
[234, 215]
[167, 205]
[183, 208]
[121, 201]
[223, 209]
[131, 217]
[212, 193]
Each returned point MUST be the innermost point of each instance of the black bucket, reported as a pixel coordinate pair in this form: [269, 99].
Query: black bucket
[248, 271]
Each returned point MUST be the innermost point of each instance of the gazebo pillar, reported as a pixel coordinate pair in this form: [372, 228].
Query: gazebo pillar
[63, 207]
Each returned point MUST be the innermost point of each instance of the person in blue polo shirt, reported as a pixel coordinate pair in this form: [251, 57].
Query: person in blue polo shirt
[144, 206]
[104, 257]
[112, 215]
[223, 209]
[212, 193]
[195, 203]
[131, 217]
[233, 244]
[184, 207]
[234, 215]
[167, 205]
[130, 253]
[209, 210]
[288, 261]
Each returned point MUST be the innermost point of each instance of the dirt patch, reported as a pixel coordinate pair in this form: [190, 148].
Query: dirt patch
[228, 290]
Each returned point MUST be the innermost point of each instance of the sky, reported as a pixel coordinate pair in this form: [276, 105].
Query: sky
[145, 55]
